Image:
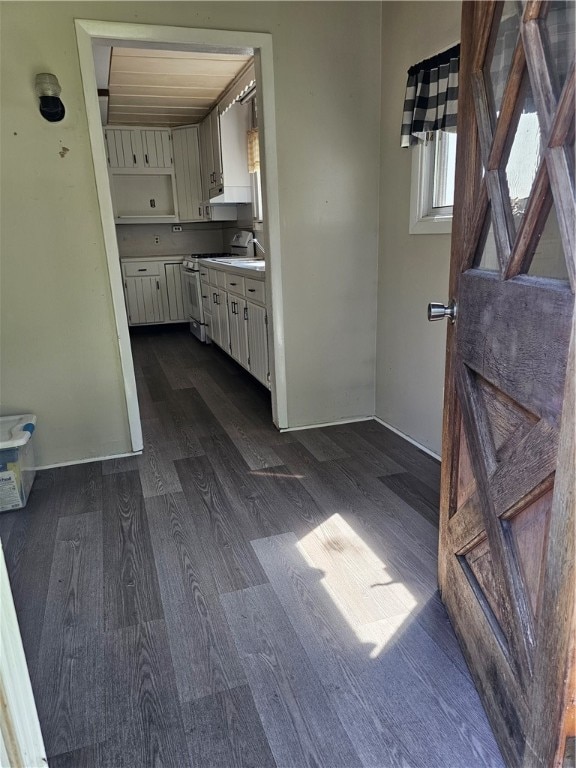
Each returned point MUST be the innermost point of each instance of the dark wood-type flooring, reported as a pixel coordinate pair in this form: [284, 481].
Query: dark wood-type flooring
[240, 597]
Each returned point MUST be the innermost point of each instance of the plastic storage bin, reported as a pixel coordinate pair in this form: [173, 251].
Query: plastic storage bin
[16, 460]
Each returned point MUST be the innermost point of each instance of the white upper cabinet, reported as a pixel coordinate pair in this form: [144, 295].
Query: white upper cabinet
[224, 155]
[187, 171]
[139, 148]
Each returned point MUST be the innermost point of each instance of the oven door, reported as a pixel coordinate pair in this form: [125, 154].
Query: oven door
[193, 302]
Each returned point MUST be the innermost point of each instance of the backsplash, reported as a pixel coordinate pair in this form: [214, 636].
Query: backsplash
[140, 239]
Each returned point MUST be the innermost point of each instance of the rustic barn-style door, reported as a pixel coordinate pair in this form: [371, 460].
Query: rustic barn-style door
[507, 555]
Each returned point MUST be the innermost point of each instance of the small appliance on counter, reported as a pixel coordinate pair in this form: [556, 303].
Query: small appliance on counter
[240, 248]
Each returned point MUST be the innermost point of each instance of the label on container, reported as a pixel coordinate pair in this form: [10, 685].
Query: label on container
[10, 497]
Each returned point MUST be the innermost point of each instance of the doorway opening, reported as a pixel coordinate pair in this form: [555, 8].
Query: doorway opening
[96, 35]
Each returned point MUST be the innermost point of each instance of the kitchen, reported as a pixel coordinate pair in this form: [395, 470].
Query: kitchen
[182, 150]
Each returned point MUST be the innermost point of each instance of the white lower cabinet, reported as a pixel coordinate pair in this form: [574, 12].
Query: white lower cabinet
[175, 293]
[238, 321]
[143, 300]
[257, 327]
[236, 318]
[153, 291]
[219, 331]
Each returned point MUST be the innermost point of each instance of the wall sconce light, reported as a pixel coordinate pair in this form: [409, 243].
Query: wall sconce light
[48, 91]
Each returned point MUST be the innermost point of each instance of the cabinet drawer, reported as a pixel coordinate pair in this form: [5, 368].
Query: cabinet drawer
[213, 276]
[234, 284]
[255, 290]
[137, 268]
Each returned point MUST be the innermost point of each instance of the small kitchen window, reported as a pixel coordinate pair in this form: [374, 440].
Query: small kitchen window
[432, 184]
[429, 128]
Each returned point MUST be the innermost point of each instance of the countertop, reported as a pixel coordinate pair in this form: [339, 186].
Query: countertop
[254, 268]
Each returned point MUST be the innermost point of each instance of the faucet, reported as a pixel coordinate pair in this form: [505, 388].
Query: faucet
[256, 243]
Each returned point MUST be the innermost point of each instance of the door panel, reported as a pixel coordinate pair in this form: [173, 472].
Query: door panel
[506, 562]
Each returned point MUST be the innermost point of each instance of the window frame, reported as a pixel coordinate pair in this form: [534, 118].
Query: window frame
[424, 219]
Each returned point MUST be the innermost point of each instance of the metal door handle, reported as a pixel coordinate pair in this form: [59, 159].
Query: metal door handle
[437, 311]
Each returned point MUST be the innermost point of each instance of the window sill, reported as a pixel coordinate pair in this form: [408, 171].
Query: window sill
[431, 225]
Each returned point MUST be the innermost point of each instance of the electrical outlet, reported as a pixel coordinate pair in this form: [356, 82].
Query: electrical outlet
[156, 240]
[176, 228]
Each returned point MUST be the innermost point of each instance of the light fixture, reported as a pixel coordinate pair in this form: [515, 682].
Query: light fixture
[48, 91]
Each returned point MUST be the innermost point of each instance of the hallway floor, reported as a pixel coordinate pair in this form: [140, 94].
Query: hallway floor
[240, 597]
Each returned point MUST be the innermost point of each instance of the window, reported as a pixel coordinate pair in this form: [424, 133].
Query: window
[432, 186]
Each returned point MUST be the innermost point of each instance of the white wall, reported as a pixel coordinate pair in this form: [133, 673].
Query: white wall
[413, 269]
[59, 350]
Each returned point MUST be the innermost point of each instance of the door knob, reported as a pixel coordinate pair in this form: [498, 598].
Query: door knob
[438, 311]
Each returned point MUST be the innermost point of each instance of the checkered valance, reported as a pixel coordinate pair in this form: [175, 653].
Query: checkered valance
[431, 99]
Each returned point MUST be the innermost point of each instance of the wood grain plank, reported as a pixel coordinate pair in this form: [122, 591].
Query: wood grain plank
[322, 447]
[364, 587]
[410, 458]
[157, 471]
[477, 28]
[375, 461]
[203, 653]
[242, 432]
[29, 555]
[300, 723]
[337, 652]
[224, 730]
[552, 700]
[234, 564]
[342, 487]
[251, 502]
[432, 708]
[143, 721]
[68, 678]
[415, 493]
[131, 592]
[531, 369]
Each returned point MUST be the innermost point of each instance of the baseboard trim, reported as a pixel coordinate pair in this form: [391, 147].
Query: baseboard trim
[409, 439]
[326, 424]
[87, 461]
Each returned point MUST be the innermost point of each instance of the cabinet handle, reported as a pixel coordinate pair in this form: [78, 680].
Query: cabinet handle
[200, 211]
[204, 297]
[143, 269]
[134, 158]
[245, 313]
[251, 290]
[233, 283]
[214, 298]
[152, 203]
[157, 285]
[146, 158]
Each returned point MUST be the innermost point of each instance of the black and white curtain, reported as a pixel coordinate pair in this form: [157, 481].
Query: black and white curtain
[431, 99]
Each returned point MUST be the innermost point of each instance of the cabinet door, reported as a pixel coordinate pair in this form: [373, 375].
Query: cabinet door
[238, 321]
[142, 195]
[143, 300]
[258, 341]
[156, 149]
[224, 329]
[176, 308]
[214, 119]
[187, 171]
[215, 334]
[206, 169]
[122, 148]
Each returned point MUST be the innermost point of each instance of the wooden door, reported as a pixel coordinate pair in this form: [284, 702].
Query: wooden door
[506, 565]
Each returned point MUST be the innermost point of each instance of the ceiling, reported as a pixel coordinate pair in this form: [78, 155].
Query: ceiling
[166, 88]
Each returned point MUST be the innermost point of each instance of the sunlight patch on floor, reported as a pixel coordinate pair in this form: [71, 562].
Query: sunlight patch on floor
[372, 602]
